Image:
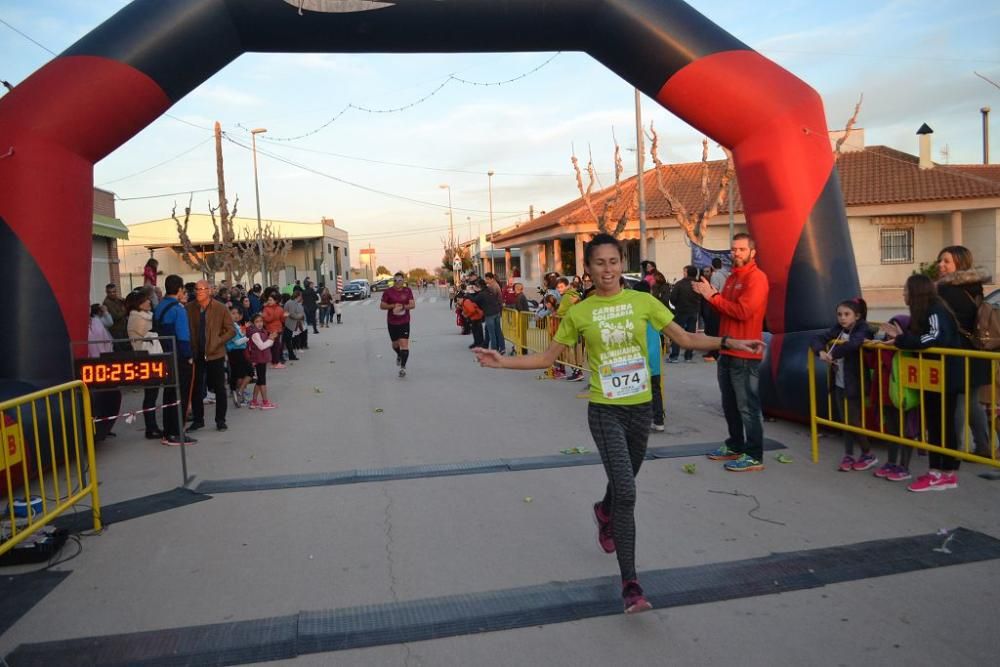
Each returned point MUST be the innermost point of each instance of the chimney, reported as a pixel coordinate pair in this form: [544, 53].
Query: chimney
[986, 134]
[925, 133]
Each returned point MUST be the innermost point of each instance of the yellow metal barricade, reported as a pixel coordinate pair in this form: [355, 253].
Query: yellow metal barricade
[47, 463]
[904, 394]
[514, 324]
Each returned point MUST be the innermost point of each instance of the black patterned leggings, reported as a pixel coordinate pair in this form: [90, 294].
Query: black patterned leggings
[621, 433]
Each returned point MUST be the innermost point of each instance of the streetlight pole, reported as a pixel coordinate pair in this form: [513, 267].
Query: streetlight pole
[256, 190]
[640, 186]
[489, 177]
[451, 219]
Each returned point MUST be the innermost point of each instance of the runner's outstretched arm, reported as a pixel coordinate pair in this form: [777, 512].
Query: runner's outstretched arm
[703, 343]
[493, 359]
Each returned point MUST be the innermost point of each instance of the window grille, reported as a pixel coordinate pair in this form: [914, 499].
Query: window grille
[896, 245]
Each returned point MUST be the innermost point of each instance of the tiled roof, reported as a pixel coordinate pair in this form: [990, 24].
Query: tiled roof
[875, 175]
[988, 171]
[883, 175]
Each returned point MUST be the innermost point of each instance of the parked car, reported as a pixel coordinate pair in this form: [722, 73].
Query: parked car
[365, 286]
[382, 285]
[993, 298]
[354, 291]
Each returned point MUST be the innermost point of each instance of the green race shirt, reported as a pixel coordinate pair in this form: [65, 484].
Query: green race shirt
[614, 332]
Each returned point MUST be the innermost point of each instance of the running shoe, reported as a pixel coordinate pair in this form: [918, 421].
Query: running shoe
[884, 470]
[175, 441]
[723, 453]
[635, 601]
[253, 405]
[846, 463]
[210, 398]
[402, 372]
[659, 428]
[604, 537]
[744, 464]
[237, 399]
[898, 474]
[267, 405]
[866, 462]
[278, 366]
[934, 481]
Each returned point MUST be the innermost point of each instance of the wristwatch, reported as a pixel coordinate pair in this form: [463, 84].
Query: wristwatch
[722, 344]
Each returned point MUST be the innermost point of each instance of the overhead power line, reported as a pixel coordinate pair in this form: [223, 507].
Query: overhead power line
[409, 105]
[366, 188]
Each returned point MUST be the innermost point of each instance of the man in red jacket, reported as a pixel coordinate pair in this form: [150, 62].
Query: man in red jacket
[741, 305]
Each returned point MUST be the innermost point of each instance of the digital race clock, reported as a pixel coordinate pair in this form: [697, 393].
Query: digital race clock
[124, 369]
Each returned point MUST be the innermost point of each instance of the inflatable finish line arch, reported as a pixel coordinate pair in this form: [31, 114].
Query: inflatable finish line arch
[119, 78]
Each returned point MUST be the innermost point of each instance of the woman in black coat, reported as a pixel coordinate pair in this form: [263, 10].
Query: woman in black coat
[932, 324]
[960, 285]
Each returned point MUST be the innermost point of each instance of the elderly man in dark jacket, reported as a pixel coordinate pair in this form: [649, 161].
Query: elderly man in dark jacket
[211, 326]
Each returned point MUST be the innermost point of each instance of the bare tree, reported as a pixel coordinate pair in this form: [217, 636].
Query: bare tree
[275, 249]
[192, 256]
[848, 128]
[693, 224]
[617, 200]
[224, 238]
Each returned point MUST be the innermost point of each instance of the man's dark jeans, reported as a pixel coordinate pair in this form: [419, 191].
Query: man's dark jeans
[494, 333]
[690, 324]
[738, 381]
[214, 373]
[170, 424]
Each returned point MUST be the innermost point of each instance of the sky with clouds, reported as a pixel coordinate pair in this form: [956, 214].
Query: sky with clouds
[379, 174]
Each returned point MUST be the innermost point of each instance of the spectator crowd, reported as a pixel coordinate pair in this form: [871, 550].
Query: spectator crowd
[226, 339]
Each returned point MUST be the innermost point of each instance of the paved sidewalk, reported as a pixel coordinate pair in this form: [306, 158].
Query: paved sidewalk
[263, 554]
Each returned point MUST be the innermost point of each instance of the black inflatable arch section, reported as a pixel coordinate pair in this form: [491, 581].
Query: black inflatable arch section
[119, 78]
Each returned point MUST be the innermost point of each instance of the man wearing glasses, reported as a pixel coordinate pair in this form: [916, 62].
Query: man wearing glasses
[398, 300]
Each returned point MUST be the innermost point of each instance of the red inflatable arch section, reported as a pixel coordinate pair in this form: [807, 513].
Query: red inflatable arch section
[119, 78]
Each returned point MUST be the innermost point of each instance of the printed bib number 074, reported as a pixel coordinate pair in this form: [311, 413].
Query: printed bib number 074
[625, 378]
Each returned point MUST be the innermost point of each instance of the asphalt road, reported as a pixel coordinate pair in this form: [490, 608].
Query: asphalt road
[267, 553]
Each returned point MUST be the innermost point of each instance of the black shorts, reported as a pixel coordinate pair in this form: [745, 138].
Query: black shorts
[397, 331]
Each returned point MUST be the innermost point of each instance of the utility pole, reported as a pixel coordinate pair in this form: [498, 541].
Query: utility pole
[640, 169]
[256, 190]
[489, 176]
[223, 204]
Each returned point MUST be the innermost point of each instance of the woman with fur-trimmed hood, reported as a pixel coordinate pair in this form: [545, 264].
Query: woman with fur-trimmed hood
[960, 285]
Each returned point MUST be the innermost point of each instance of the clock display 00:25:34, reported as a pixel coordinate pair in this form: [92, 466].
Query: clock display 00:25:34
[123, 372]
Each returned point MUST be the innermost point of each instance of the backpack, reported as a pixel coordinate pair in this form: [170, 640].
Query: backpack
[986, 331]
[163, 329]
[471, 310]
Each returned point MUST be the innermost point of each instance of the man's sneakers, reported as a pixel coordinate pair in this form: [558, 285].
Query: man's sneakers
[935, 481]
[196, 425]
[237, 399]
[267, 405]
[402, 372]
[254, 404]
[744, 464]
[175, 441]
[659, 428]
[723, 453]
[635, 601]
[604, 537]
